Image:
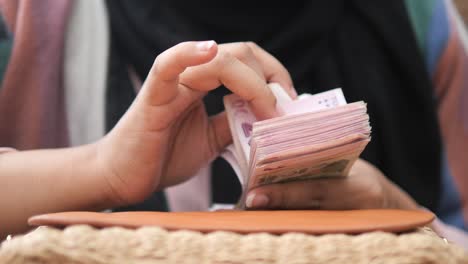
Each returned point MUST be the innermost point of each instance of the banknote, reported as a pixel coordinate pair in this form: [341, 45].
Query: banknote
[315, 136]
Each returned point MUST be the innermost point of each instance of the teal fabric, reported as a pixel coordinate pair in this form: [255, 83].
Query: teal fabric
[420, 13]
[6, 45]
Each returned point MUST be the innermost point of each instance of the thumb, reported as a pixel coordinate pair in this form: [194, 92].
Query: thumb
[160, 86]
[220, 134]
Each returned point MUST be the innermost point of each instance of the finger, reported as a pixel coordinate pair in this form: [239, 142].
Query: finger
[268, 68]
[310, 194]
[227, 70]
[273, 70]
[219, 132]
[244, 53]
[160, 86]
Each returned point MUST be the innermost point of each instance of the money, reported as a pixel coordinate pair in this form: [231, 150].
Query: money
[316, 136]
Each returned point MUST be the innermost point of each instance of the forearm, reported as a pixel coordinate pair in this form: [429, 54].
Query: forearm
[42, 181]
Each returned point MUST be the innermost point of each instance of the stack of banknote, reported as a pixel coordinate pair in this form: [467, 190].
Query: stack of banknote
[316, 136]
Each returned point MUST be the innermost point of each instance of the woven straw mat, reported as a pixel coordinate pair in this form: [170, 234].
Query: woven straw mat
[84, 244]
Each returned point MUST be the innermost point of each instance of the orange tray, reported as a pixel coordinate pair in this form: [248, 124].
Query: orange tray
[275, 222]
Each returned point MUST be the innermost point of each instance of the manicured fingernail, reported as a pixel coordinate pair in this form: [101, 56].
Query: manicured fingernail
[205, 45]
[256, 200]
[293, 91]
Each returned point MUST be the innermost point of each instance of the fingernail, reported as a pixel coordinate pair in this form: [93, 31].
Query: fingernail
[205, 45]
[256, 200]
[293, 91]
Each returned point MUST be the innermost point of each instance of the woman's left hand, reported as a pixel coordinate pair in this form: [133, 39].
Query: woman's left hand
[364, 188]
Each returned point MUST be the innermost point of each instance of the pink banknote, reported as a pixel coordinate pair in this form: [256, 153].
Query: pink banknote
[316, 136]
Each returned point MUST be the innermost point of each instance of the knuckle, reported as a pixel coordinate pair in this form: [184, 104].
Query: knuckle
[225, 57]
[158, 64]
[282, 200]
[312, 195]
[277, 196]
[225, 60]
[252, 44]
[167, 64]
[241, 51]
[289, 197]
[245, 50]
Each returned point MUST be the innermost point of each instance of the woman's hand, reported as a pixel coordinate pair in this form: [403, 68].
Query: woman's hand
[163, 139]
[166, 135]
[365, 187]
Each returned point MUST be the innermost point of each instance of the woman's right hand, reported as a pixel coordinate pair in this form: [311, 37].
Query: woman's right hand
[166, 135]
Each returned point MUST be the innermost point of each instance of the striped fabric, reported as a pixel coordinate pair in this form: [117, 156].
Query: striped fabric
[443, 40]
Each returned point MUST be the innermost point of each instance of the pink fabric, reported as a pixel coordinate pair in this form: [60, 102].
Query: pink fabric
[451, 233]
[192, 195]
[32, 107]
[451, 81]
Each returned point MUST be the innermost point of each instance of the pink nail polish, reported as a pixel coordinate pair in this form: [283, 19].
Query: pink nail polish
[205, 45]
[257, 201]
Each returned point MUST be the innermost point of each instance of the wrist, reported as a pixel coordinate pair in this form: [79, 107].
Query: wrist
[123, 179]
[102, 175]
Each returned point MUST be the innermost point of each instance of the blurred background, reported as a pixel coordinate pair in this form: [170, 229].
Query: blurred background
[463, 6]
